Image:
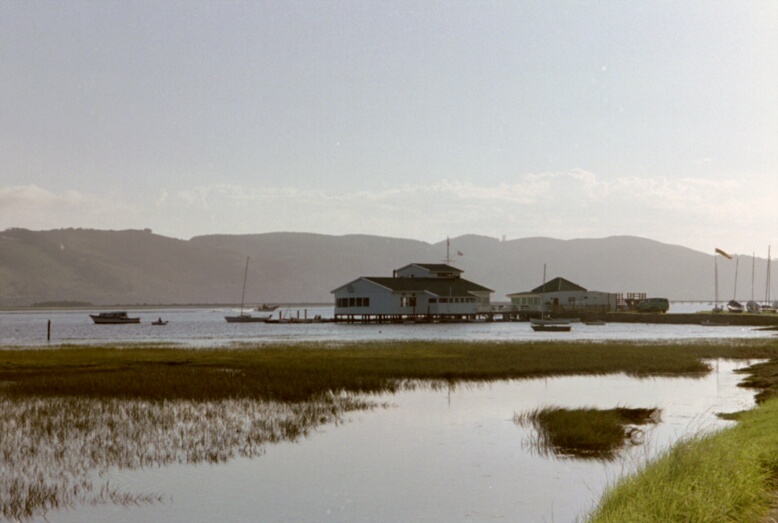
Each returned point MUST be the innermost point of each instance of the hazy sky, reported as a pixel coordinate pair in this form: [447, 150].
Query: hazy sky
[418, 119]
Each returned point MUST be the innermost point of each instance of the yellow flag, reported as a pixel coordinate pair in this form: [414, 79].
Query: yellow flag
[719, 251]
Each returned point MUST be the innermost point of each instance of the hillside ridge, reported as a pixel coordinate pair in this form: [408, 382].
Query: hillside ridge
[139, 267]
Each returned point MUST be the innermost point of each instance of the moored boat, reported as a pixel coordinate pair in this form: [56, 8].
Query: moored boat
[246, 318]
[265, 308]
[550, 325]
[113, 318]
[545, 324]
[735, 306]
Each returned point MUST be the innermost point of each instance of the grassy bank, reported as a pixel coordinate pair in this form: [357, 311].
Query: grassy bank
[304, 371]
[728, 476]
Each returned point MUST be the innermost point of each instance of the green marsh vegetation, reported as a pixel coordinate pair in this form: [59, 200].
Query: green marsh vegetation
[72, 412]
[587, 433]
[299, 372]
[726, 476]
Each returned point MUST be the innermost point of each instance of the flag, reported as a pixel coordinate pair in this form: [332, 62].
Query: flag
[727, 256]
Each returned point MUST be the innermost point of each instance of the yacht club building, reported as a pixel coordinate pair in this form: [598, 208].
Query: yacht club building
[561, 295]
[418, 292]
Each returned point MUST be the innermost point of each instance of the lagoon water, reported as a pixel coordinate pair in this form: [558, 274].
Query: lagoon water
[430, 455]
[206, 327]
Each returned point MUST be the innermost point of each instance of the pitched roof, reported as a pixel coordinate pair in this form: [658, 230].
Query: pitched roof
[433, 267]
[558, 285]
[437, 286]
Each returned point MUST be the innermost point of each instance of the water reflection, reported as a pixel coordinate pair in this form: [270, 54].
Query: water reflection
[55, 452]
[436, 455]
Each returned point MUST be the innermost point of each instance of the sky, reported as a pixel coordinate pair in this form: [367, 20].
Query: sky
[411, 119]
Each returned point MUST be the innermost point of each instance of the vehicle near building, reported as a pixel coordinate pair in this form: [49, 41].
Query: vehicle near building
[653, 305]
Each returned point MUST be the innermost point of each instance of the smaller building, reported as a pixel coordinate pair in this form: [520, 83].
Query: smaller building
[561, 296]
[414, 293]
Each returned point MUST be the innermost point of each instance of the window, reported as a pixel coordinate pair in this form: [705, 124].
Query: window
[352, 302]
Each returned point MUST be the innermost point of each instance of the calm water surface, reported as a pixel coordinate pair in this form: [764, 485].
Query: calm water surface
[431, 456]
[206, 327]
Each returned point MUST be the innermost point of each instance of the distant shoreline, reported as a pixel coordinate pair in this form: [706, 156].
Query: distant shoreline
[30, 308]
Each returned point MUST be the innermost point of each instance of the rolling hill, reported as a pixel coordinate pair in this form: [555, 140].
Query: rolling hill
[139, 267]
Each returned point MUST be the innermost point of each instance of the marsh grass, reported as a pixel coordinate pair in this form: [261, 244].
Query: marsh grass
[587, 433]
[726, 476]
[300, 372]
[55, 451]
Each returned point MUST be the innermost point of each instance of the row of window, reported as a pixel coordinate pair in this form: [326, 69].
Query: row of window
[453, 300]
[405, 301]
[352, 302]
[533, 300]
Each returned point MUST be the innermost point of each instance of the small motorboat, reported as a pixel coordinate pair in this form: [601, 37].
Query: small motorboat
[594, 322]
[160, 321]
[113, 318]
[266, 308]
[548, 325]
[551, 328]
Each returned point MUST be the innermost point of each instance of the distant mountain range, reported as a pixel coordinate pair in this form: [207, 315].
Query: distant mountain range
[138, 267]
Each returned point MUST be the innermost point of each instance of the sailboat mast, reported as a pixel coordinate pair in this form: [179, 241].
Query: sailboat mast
[753, 272]
[768, 283]
[716, 275]
[542, 293]
[245, 275]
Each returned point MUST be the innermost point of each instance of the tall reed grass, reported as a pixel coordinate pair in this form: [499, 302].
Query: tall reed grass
[55, 451]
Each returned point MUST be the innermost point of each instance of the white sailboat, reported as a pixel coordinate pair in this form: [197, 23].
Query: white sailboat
[245, 317]
[768, 305]
[544, 324]
[733, 305]
[751, 305]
